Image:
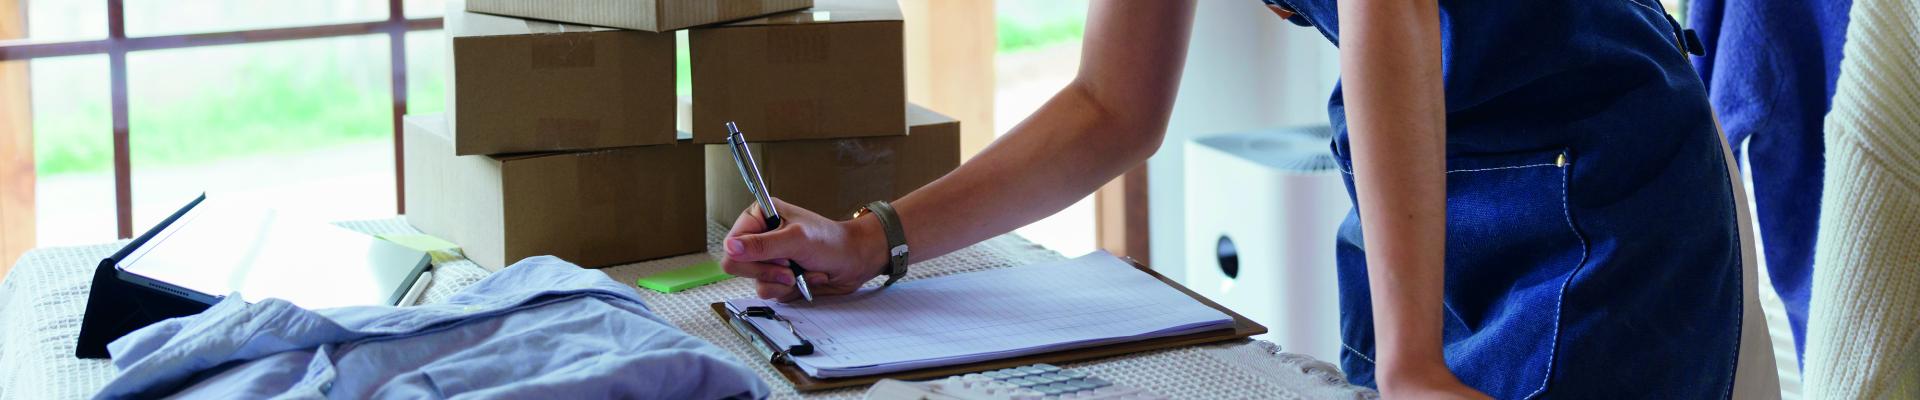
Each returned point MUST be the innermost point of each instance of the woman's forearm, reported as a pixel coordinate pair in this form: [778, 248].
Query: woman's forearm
[1059, 155]
[1107, 121]
[1396, 120]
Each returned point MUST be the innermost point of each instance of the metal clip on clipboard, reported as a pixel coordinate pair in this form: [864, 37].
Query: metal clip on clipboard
[759, 339]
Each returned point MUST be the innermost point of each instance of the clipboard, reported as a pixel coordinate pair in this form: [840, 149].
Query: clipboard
[1241, 328]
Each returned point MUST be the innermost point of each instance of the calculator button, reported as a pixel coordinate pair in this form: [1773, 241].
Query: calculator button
[1022, 381]
[1046, 367]
[1073, 374]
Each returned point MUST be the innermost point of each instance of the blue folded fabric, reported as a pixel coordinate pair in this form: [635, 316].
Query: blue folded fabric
[1770, 68]
[542, 328]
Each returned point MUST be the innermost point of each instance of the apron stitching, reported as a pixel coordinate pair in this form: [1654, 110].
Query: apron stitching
[1344, 169]
[1356, 352]
[1553, 350]
[1740, 271]
[1455, 315]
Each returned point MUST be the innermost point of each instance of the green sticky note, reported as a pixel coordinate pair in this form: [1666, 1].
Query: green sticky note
[684, 278]
[440, 249]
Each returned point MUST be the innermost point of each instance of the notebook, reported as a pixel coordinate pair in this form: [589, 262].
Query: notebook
[1088, 301]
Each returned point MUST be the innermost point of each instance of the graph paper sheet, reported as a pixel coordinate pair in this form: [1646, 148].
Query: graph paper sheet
[1088, 301]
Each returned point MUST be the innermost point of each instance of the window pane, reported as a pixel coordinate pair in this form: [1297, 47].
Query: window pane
[72, 150]
[424, 8]
[305, 126]
[426, 71]
[1039, 51]
[62, 19]
[171, 17]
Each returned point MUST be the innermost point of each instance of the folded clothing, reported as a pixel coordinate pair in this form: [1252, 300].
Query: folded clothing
[541, 328]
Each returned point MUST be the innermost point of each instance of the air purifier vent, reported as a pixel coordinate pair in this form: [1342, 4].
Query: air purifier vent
[1304, 149]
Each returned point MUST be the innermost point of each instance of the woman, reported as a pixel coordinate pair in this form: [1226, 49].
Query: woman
[1541, 186]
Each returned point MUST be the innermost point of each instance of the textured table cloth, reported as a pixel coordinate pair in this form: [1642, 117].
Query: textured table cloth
[43, 298]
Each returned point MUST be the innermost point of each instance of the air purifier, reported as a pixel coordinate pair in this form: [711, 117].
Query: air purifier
[1262, 209]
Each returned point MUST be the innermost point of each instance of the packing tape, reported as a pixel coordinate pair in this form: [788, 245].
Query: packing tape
[534, 26]
[563, 51]
[866, 167]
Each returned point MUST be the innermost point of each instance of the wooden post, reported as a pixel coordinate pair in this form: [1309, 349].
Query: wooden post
[16, 144]
[950, 45]
[1120, 216]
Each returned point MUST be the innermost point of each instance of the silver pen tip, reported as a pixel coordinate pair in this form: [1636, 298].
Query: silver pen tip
[801, 283]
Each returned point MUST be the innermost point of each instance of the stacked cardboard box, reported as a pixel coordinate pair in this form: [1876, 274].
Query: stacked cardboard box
[835, 177]
[837, 70]
[821, 94]
[594, 208]
[561, 139]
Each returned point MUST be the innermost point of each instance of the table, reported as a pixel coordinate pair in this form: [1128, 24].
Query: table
[43, 298]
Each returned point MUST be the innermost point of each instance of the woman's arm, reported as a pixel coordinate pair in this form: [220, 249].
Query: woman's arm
[1108, 120]
[1396, 122]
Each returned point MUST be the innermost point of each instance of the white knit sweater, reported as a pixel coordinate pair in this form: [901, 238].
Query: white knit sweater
[1863, 331]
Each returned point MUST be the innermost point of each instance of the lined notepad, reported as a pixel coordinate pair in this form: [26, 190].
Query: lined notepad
[1087, 301]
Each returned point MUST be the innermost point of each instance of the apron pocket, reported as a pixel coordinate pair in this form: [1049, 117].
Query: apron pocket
[1512, 250]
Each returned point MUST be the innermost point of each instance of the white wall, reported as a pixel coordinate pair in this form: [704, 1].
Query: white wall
[1246, 69]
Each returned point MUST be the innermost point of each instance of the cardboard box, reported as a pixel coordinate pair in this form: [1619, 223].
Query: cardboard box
[835, 177]
[527, 86]
[835, 71]
[645, 15]
[597, 208]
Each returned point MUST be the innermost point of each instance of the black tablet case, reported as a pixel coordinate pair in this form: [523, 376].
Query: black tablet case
[116, 307]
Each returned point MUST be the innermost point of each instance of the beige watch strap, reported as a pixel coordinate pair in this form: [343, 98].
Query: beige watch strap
[896, 235]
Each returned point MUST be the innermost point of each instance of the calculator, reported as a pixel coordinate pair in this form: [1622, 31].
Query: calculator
[1036, 382]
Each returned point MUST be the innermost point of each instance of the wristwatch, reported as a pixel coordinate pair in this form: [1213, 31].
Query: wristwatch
[896, 238]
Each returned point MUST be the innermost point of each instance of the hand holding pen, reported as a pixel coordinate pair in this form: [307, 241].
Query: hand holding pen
[750, 172]
[770, 241]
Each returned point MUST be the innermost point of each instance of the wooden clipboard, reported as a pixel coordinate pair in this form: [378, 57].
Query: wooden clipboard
[1241, 328]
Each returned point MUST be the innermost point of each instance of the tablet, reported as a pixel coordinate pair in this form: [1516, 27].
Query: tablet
[217, 247]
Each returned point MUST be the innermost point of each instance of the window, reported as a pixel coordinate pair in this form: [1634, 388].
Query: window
[117, 112]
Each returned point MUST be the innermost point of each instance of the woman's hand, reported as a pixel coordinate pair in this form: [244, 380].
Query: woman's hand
[839, 256]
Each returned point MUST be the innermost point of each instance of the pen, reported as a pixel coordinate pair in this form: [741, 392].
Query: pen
[419, 288]
[750, 172]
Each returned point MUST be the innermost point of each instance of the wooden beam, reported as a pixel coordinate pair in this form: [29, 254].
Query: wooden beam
[16, 145]
[27, 48]
[1120, 216]
[950, 46]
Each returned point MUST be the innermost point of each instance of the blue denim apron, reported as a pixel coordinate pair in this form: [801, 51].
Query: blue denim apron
[1591, 248]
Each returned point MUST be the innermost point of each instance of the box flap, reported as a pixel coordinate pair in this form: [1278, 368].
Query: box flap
[831, 11]
[468, 23]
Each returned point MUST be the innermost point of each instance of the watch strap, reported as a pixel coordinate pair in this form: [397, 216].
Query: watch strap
[896, 235]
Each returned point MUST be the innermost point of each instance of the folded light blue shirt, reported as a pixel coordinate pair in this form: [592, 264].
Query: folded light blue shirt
[542, 328]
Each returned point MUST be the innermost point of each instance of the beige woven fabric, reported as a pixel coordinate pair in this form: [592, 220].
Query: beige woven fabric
[42, 300]
[1863, 330]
